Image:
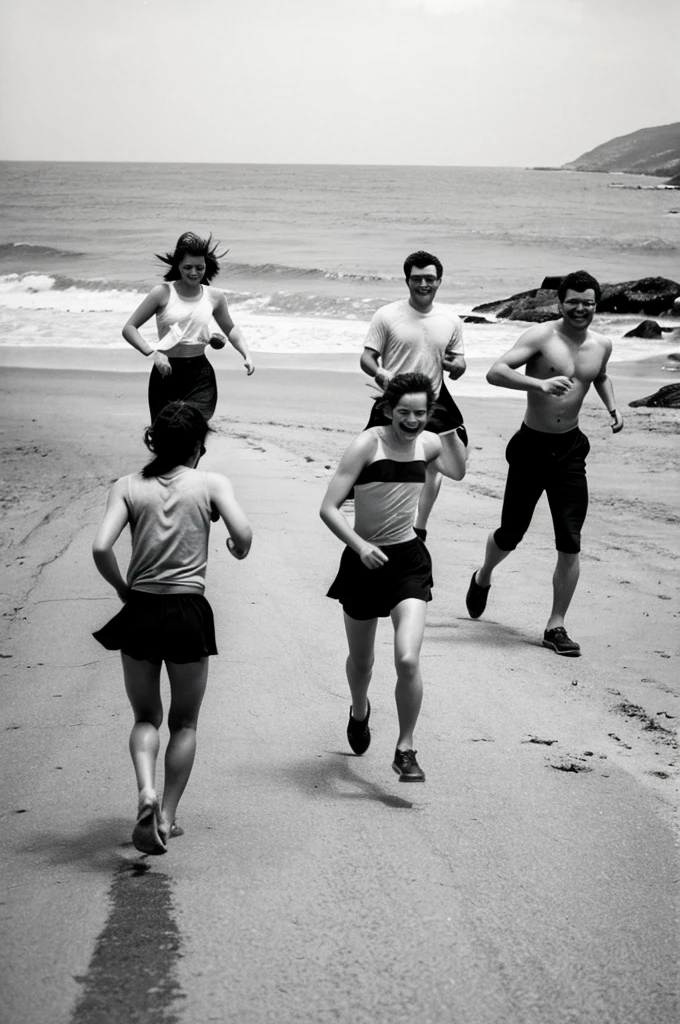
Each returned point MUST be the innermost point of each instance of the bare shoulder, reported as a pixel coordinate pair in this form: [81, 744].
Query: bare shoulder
[216, 481]
[602, 341]
[432, 445]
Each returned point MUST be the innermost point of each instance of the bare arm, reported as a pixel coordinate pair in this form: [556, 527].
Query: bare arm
[351, 464]
[445, 454]
[115, 519]
[222, 496]
[605, 390]
[504, 373]
[223, 317]
[370, 364]
[154, 301]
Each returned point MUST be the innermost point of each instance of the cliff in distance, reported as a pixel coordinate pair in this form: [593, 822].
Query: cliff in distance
[647, 151]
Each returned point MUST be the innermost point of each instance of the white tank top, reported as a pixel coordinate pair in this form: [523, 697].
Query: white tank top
[184, 321]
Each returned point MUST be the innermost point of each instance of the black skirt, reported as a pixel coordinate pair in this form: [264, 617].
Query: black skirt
[161, 627]
[192, 380]
[373, 593]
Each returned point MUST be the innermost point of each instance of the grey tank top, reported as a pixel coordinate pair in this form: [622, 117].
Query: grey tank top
[170, 525]
[386, 494]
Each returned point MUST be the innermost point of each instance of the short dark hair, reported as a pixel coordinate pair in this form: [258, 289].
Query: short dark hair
[579, 281]
[178, 430]
[407, 384]
[190, 244]
[422, 259]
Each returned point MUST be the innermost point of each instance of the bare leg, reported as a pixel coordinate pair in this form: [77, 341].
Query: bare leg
[408, 619]
[493, 556]
[187, 686]
[359, 664]
[565, 578]
[142, 685]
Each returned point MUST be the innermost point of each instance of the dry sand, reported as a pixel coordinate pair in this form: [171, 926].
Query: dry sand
[551, 767]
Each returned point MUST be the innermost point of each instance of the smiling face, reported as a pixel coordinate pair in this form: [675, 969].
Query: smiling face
[191, 270]
[409, 416]
[422, 285]
[578, 308]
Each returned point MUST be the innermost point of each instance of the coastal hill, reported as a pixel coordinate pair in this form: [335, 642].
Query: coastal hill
[647, 151]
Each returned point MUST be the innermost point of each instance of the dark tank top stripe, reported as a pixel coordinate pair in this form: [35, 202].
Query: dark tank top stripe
[390, 471]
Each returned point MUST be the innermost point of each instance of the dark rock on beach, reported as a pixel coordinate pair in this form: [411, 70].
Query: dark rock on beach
[667, 397]
[651, 295]
[648, 329]
[475, 320]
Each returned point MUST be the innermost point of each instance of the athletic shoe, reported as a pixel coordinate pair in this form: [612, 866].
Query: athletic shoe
[475, 599]
[358, 733]
[559, 641]
[406, 766]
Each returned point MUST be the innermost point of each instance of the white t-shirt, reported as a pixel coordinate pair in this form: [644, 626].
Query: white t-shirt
[411, 342]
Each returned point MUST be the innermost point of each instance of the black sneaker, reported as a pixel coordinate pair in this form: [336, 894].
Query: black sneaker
[406, 766]
[358, 733]
[560, 642]
[475, 599]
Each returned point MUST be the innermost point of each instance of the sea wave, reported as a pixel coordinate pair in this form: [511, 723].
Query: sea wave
[276, 271]
[24, 249]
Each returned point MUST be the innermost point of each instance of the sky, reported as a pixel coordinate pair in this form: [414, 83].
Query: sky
[448, 82]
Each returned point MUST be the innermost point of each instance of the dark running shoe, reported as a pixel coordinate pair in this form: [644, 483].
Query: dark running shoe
[406, 766]
[475, 599]
[358, 733]
[560, 642]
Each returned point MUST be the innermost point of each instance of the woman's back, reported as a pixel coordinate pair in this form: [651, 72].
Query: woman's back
[170, 525]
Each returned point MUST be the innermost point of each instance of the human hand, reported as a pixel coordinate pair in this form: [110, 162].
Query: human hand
[617, 423]
[217, 341]
[557, 385]
[162, 364]
[455, 367]
[249, 366]
[238, 553]
[372, 557]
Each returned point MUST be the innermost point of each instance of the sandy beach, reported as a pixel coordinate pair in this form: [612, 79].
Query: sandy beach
[559, 771]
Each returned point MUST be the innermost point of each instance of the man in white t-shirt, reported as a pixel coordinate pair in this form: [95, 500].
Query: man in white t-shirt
[418, 335]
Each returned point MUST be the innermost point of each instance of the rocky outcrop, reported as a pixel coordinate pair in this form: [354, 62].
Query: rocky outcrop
[675, 182]
[648, 295]
[667, 397]
[647, 151]
[648, 329]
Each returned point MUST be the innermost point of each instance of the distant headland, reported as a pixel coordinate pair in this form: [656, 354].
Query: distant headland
[654, 151]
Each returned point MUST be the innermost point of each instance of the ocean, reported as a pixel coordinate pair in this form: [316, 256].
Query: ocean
[315, 250]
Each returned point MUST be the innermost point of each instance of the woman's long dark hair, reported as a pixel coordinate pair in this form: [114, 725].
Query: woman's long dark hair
[178, 430]
[190, 244]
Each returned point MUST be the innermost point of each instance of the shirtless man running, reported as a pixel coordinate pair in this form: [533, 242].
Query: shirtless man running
[548, 453]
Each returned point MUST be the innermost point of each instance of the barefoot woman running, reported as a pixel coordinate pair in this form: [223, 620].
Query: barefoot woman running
[184, 309]
[385, 568]
[165, 617]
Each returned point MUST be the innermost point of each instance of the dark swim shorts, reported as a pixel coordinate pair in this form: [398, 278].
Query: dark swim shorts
[373, 593]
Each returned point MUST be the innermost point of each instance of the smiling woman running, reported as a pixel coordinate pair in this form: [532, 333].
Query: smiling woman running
[385, 568]
[184, 309]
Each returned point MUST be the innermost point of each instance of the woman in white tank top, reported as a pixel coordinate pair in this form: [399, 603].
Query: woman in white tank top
[385, 569]
[165, 617]
[185, 308]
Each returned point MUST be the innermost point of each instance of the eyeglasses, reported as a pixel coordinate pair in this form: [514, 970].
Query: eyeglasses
[575, 303]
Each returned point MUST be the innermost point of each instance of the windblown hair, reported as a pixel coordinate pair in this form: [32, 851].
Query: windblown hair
[406, 384]
[579, 281]
[190, 244]
[422, 259]
[178, 430]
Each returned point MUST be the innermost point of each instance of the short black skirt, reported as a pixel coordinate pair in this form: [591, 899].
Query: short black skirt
[373, 593]
[161, 627]
[192, 380]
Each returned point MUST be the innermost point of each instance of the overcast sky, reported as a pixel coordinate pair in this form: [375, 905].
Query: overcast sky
[476, 82]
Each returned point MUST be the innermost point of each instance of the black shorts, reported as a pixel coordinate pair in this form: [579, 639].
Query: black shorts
[445, 416]
[192, 380]
[373, 593]
[556, 464]
[161, 627]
